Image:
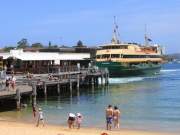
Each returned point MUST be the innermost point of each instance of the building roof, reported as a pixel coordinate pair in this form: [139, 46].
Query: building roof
[30, 56]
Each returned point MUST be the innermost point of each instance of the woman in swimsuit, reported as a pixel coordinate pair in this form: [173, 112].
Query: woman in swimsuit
[116, 115]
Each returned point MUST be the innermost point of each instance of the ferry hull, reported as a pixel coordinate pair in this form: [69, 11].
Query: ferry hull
[117, 69]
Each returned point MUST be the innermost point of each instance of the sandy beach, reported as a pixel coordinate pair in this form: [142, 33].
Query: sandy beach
[14, 128]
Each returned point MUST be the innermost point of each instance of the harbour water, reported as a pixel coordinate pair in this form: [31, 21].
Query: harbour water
[146, 103]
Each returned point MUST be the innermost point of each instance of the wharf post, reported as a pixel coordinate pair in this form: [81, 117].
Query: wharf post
[70, 84]
[18, 99]
[102, 79]
[78, 81]
[58, 89]
[106, 77]
[45, 89]
[34, 94]
[92, 81]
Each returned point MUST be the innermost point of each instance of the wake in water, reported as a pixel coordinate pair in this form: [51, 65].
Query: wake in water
[169, 70]
[125, 80]
[138, 79]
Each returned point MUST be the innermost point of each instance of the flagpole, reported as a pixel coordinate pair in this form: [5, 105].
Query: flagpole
[145, 36]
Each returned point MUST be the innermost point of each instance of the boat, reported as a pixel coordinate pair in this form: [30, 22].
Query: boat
[129, 59]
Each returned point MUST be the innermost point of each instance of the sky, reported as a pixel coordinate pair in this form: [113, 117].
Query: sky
[67, 21]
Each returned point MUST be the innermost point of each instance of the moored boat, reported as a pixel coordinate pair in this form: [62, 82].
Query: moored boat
[129, 59]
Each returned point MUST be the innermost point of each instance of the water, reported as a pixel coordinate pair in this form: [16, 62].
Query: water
[146, 103]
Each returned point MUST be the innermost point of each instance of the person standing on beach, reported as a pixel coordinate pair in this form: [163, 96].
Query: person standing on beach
[79, 119]
[40, 117]
[71, 120]
[109, 117]
[34, 109]
[116, 116]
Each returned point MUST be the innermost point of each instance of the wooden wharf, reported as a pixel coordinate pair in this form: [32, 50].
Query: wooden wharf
[71, 80]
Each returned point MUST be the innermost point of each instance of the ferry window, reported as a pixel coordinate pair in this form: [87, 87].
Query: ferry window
[107, 47]
[116, 47]
[124, 47]
[141, 56]
[106, 56]
[98, 56]
[115, 55]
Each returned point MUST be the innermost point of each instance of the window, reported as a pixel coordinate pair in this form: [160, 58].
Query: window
[105, 56]
[98, 56]
[116, 47]
[140, 56]
[115, 55]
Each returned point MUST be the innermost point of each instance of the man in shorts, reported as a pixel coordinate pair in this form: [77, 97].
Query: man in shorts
[109, 117]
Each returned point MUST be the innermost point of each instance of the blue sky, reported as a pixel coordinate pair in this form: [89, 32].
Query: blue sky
[67, 21]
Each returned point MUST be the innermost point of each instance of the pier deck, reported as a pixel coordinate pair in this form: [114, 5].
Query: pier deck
[28, 86]
[24, 89]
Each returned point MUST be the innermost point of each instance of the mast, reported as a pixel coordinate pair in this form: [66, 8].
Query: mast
[146, 37]
[115, 39]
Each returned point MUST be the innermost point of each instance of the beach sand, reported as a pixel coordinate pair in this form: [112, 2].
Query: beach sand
[14, 128]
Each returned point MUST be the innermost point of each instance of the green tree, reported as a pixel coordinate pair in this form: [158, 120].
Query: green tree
[52, 46]
[37, 45]
[49, 44]
[8, 48]
[23, 43]
[80, 43]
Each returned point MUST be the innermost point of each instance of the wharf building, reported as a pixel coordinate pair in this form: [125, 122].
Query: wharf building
[46, 60]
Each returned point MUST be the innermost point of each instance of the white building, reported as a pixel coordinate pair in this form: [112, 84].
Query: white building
[20, 61]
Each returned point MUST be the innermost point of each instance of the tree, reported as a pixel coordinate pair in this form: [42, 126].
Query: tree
[23, 43]
[80, 43]
[8, 48]
[37, 45]
[52, 46]
[49, 44]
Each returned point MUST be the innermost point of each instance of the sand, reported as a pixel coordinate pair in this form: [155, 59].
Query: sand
[14, 128]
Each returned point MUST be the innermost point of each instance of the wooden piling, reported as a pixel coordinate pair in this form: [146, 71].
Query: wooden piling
[78, 81]
[58, 89]
[70, 86]
[34, 94]
[18, 99]
[102, 80]
[45, 89]
[92, 81]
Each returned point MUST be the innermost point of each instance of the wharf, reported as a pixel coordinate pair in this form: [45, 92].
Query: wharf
[39, 83]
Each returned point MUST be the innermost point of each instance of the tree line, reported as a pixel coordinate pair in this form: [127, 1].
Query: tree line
[23, 43]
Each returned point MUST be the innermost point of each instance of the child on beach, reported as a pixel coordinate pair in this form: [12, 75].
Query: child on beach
[78, 120]
[34, 110]
[40, 117]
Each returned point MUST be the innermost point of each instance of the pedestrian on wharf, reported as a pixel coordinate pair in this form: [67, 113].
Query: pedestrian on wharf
[8, 80]
[13, 82]
[71, 120]
[79, 119]
[40, 117]
[109, 117]
[116, 116]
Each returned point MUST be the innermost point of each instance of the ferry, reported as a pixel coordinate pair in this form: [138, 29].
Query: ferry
[129, 59]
